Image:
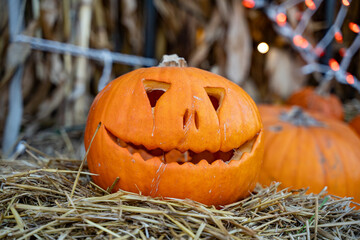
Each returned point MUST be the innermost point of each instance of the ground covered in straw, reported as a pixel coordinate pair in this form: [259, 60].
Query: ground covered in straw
[41, 199]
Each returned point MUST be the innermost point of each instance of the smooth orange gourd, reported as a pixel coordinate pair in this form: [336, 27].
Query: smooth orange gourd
[355, 124]
[305, 149]
[309, 99]
[175, 131]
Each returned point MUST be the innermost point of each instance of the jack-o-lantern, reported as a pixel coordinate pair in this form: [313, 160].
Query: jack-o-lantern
[304, 149]
[175, 131]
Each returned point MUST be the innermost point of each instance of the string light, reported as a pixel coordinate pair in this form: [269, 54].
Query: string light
[263, 47]
[342, 52]
[281, 19]
[311, 53]
[310, 4]
[354, 27]
[334, 65]
[346, 3]
[299, 41]
[248, 3]
[350, 78]
[338, 37]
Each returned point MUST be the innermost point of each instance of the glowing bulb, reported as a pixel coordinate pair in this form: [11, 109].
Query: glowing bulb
[263, 47]
[354, 27]
[310, 4]
[346, 3]
[334, 65]
[299, 41]
[342, 52]
[350, 78]
[338, 37]
[248, 3]
[281, 19]
[319, 51]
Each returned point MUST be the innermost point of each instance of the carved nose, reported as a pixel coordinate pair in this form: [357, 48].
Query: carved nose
[188, 117]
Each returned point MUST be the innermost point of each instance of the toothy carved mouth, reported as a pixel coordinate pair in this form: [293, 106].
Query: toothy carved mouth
[187, 156]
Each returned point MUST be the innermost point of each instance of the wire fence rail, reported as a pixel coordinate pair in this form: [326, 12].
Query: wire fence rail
[14, 117]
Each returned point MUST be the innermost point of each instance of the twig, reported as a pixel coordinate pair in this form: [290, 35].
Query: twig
[83, 161]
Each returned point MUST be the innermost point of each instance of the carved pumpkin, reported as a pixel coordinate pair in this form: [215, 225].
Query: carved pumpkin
[355, 124]
[175, 131]
[310, 150]
[309, 99]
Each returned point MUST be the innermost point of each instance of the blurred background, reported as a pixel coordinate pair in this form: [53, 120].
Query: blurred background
[56, 55]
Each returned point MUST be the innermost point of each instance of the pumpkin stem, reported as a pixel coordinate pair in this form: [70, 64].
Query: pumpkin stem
[172, 60]
[298, 117]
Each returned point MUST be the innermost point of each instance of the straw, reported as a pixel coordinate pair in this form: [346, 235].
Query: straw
[38, 203]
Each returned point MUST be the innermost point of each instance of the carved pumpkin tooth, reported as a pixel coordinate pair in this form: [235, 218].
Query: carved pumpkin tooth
[175, 155]
[176, 126]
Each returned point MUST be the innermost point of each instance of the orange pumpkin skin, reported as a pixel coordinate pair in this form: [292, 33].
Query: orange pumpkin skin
[309, 99]
[310, 156]
[355, 124]
[183, 118]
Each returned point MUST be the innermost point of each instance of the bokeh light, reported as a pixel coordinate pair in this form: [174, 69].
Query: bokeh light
[281, 19]
[334, 65]
[354, 27]
[338, 37]
[300, 41]
[248, 3]
[350, 79]
[263, 47]
[345, 2]
[310, 4]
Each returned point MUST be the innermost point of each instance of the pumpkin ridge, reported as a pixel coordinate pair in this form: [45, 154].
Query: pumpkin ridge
[340, 164]
[286, 144]
[296, 174]
[321, 158]
[345, 167]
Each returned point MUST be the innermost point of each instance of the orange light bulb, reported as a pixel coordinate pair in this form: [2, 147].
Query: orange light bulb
[354, 27]
[248, 3]
[334, 65]
[281, 19]
[342, 52]
[350, 79]
[310, 4]
[338, 37]
[299, 41]
[345, 3]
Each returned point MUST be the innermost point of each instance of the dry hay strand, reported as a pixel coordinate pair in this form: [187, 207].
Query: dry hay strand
[38, 204]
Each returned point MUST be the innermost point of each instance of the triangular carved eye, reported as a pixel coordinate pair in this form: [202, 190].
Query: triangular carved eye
[154, 95]
[216, 96]
[154, 90]
[215, 102]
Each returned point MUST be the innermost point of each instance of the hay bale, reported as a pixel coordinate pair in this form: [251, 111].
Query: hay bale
[38, 203]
